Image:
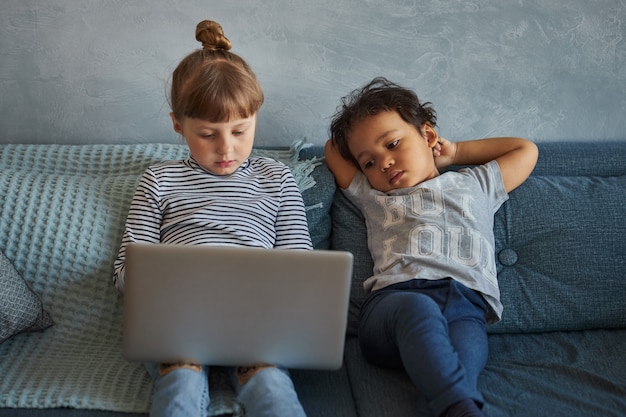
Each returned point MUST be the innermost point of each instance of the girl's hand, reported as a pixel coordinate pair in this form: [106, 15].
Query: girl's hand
[444, 152]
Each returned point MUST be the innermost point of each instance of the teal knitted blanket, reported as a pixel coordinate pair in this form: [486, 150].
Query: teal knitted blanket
[61, 220]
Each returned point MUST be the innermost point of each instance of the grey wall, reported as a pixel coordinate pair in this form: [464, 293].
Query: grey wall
[97, 70]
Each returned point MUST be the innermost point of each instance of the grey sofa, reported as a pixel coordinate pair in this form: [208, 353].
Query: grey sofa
[560, 349]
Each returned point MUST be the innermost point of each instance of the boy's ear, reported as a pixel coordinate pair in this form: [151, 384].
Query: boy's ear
[430, 134]
[177, 127]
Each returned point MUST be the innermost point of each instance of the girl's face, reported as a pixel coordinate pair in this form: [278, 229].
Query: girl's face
[221, 147]
[392, 153]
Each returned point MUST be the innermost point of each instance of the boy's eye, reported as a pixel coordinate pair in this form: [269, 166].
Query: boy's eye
[368, 164]
[393, 144]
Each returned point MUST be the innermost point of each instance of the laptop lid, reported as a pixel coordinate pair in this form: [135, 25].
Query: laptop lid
[236, 305]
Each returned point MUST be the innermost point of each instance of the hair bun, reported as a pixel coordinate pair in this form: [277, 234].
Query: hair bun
[211, 35]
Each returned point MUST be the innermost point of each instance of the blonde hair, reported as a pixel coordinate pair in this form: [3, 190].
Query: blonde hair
[213, 83]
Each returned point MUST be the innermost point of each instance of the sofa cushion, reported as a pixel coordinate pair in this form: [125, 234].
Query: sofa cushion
[350, 234]
[560, 241]
[561, 254]
[532, 374]
[567, 374]
[21, 310]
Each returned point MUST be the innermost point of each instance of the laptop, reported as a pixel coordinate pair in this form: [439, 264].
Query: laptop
[236, 306]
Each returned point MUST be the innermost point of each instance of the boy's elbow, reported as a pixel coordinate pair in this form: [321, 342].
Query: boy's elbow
[527, 155]
[533, 153]
[527, 152]
[519, 164]
[528, 161]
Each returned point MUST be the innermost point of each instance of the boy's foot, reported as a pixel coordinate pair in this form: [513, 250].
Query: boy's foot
[464, 408]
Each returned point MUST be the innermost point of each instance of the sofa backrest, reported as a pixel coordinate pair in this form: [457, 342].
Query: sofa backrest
[560, 239]
[560, 242]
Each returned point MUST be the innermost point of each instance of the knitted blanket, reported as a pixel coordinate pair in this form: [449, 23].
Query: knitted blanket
[61, 220]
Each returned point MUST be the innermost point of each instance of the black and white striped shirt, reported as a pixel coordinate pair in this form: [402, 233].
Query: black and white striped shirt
[180, 202]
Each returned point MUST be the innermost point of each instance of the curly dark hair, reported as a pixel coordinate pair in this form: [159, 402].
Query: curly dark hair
[378, 95]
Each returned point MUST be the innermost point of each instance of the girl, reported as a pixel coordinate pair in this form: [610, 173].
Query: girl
[220, 195]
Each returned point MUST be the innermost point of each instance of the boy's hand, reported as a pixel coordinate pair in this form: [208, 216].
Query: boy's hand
[444, 152]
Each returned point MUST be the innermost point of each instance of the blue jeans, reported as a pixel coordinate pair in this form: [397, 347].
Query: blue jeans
[435, 330]
[262, 392]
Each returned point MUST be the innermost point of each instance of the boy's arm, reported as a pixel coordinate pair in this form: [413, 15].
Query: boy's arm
[342, 169]
[515, 156]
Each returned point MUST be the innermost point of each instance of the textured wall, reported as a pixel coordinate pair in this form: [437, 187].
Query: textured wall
[97, 70]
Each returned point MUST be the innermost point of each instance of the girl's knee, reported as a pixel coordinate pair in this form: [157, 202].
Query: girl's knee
[166, 368]
[267, 391]
[180, 388]
[181, 375]
[267, 376]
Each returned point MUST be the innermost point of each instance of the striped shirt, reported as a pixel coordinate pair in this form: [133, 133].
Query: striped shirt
[180, 202]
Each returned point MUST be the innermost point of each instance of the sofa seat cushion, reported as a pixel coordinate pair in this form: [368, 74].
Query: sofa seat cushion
[377, 391]
[324, 393]
[559, 374]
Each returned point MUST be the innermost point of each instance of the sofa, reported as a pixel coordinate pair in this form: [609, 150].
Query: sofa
[560, 349]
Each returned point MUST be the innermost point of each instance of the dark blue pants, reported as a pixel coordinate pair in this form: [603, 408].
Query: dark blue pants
[435, 330]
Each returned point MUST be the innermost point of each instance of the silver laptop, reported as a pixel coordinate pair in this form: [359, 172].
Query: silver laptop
[236, 306]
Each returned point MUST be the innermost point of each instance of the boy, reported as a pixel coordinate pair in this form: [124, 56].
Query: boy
[434, 287]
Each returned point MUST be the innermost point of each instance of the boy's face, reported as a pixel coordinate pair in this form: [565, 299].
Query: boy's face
[391, 152]
[221, 147]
